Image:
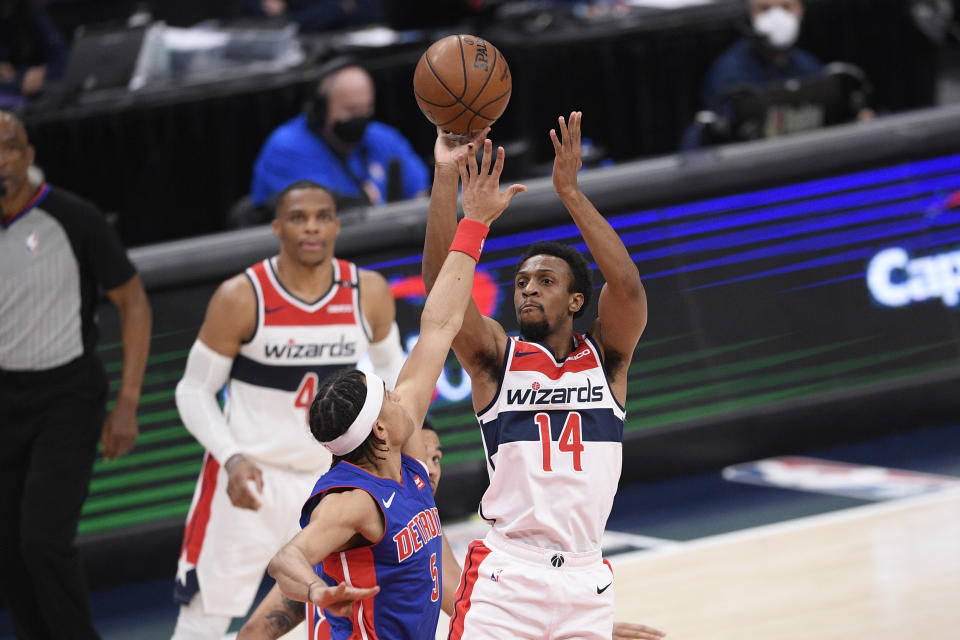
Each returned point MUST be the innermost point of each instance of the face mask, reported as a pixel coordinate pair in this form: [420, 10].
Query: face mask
[778, 26]
[351, 131]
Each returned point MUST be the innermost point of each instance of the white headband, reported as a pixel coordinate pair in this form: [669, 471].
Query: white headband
[362, 425]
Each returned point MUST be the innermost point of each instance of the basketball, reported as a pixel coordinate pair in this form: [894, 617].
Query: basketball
[462, 83]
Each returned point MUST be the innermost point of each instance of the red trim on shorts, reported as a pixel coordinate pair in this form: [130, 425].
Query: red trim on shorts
[318, 627]
[476, 554]
[363, 574]
[196, 528]
[609, 566]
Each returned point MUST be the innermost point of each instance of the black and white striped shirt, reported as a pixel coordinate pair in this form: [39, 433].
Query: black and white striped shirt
[54, 254]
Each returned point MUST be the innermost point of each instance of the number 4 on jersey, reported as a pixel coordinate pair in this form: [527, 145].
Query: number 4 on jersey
[570, 441]
[306, 391]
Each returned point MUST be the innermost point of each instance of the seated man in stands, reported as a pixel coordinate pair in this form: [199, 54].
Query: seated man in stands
[336, 143]
[32, 52]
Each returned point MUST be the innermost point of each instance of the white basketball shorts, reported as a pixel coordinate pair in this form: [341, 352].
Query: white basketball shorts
[512, 590]
[226, 549]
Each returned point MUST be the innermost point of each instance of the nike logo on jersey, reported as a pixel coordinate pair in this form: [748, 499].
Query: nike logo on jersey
[387, 503]
[601, 590]
[274, 309]
[520, 354]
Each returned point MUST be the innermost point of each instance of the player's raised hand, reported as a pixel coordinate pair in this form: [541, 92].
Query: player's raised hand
[566, 146]
[482, 199]
[450, 145]
[632, 631]
[338, 600]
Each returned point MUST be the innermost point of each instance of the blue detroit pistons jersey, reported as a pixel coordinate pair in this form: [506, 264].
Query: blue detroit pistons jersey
[553, 437]
[405, 562]
[276, 373]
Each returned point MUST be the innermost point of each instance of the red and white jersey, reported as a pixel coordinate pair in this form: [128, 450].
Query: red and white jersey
[553, 436]
[276, 373]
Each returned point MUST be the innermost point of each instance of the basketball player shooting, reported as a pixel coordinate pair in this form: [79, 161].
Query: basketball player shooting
[371, 519]
[550, 407]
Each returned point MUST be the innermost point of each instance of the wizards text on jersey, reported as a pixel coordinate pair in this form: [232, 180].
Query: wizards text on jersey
[553, 436]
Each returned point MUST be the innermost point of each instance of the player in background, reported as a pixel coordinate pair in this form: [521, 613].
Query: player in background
[371, 519]
[270, 334]
[550, 406]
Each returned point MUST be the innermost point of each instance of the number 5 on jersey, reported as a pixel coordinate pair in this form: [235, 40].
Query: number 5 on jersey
[305, 393]
[435, 576]
[570, 441]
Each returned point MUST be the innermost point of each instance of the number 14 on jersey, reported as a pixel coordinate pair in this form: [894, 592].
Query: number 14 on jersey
[570, 441]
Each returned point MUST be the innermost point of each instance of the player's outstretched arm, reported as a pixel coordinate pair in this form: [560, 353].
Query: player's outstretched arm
[273, 618]
[443, 312]
[334, 523]
[442, 212]
[623, 302]
[481, 339]
[230, 319]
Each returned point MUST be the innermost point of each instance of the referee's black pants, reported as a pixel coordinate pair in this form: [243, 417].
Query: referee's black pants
[50, 422]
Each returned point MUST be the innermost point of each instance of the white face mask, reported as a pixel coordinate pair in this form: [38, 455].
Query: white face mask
[778, 26]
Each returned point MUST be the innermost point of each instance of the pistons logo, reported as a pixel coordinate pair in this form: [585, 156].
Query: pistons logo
[417, 481]
[557, 560]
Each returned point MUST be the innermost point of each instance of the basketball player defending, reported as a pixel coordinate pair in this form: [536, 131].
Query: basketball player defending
[371, 520]
[271, 334]
[550, 407]
[277, 615]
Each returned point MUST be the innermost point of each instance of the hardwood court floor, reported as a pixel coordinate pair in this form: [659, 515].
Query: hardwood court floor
[882, 571]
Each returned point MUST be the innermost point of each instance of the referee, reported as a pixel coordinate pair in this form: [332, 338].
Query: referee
[55, 251]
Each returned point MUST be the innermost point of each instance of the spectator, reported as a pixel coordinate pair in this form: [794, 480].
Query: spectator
[55, 250]
[336, 143]
[320, 15]
[767, 55]
[32, 53]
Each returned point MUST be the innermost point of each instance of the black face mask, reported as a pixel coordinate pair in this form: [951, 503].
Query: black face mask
[351, 131]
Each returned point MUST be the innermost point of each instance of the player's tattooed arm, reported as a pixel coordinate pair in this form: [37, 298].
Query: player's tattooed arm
[275, 616]
[285, 618]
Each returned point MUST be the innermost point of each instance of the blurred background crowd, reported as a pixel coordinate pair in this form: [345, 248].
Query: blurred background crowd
[161, 112]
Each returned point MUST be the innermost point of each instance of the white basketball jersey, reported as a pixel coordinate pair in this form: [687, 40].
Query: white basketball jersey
[295, 346]
[553, 437]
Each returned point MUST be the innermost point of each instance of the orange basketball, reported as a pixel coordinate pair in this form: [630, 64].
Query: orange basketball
[462, 83]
